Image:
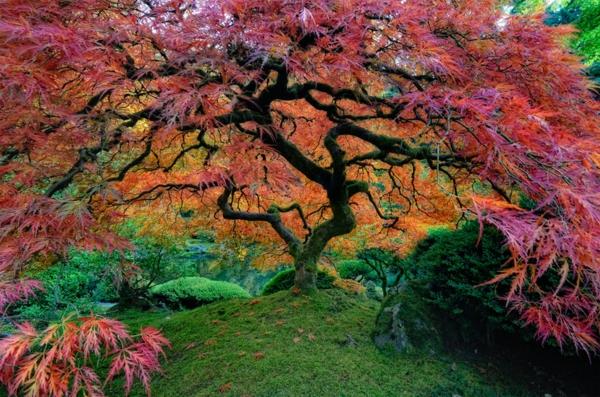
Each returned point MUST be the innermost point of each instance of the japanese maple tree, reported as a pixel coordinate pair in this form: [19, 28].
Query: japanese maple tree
[302, 119]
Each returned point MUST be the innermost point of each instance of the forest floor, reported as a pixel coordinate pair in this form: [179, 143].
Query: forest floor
[317, 345]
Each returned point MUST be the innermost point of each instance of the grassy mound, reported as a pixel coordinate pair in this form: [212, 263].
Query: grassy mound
[317, 345]
[195, 291]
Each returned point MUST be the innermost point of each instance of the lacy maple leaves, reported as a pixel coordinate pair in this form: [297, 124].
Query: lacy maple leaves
[63, 359]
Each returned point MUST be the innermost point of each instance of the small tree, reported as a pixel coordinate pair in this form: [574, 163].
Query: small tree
[385, 264]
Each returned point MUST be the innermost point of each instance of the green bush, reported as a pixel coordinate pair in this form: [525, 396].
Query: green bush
[354, 269]
[285, 280]
[448, 265]
[76, 284]
[190, 292]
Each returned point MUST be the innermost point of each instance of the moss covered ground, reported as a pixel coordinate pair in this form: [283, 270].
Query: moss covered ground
[317, 345]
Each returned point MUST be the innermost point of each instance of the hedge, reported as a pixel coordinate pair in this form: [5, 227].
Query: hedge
[195, 291]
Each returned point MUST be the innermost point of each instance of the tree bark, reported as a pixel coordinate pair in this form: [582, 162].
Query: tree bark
[305, 279]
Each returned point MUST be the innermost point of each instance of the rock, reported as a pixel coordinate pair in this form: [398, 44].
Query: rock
[350, 342]
[405, 324]
[373, 291]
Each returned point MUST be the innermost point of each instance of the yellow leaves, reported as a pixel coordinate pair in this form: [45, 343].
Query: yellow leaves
[225, 387]
[349, 285]
[300, 335]
[487, 202]
[242, 254]
[595, 157]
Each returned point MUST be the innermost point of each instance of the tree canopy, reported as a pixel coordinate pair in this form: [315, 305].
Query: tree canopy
[301, 120]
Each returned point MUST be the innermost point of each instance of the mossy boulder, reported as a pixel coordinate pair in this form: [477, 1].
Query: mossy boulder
[405, 324]
[189, 292]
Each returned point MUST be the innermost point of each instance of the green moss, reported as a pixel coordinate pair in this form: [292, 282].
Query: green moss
[284, 280]
[315, 345]
[195, 291]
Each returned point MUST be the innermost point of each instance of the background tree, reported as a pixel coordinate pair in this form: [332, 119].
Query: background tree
[308, 118]
[583, 15]
[385, 264]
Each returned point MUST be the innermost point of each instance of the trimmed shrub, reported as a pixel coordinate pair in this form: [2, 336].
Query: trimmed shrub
[285, 280]
[190, 292]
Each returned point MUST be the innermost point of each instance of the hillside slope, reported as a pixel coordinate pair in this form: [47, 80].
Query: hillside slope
[281, 345]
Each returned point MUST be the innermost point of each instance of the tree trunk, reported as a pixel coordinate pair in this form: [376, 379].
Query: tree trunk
[306, 277]
[307, 255]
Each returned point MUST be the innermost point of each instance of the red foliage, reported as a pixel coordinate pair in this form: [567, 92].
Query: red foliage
[59, 360]
[12, 292]
[31, 225]
[155, 104]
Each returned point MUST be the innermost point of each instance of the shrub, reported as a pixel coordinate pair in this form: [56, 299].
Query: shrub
[195, 291]
[73, 285]
[285, 280]
[448, 265]
[152, 260]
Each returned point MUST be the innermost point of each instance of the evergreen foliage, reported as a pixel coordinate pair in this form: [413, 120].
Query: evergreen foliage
[76, 284]
[447, 268]
[195, 291]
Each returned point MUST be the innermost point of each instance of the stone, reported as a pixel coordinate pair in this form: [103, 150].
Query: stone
[405, 324]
